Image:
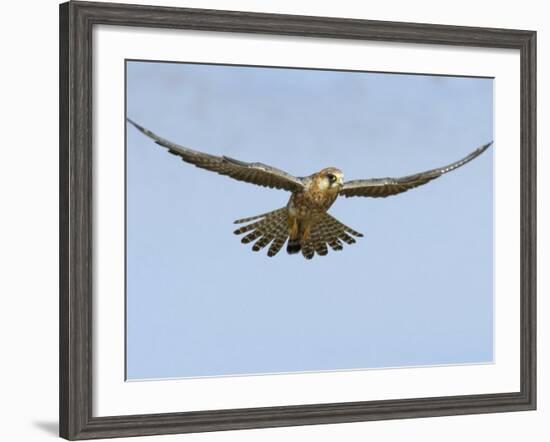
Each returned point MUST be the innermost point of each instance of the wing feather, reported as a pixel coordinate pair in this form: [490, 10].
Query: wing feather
[383, 187]
[255, 173]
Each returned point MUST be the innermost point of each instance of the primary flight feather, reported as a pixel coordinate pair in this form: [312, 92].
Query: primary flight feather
[304, 221]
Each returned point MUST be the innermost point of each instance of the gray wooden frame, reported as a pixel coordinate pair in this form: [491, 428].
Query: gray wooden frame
[76, 243]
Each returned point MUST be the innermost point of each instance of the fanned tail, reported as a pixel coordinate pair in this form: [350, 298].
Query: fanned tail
[269, 228]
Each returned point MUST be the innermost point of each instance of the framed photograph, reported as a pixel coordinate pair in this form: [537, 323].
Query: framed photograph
[271, 220]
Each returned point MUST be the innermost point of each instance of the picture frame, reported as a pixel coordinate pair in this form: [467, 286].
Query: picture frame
[77, 22]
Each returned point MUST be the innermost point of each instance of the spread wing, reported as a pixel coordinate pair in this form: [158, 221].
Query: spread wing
[255, 173]
[383, 187]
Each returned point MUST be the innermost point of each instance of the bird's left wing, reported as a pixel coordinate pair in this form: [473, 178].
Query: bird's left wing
[383, 187]
[255, 173]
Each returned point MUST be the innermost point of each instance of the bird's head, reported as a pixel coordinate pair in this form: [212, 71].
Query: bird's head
[330, 179]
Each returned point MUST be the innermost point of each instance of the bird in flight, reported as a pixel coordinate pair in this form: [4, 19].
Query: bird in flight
[304, 221]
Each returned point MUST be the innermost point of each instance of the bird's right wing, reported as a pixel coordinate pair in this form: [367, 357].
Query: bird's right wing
[255, 173]
[383, 187]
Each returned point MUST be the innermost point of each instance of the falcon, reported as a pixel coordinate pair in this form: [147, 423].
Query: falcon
[304, 221]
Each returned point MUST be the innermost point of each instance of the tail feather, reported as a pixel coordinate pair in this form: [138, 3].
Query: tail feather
[251, 236]
[271, 229]
[281, 234]
[255, 217]
[328, 230]
[319, 244]
[263, 242]
[247, 228]
[346, 238]
[268, 228]
[333, 241]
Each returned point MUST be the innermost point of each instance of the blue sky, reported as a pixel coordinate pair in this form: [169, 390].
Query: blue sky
[416, 290]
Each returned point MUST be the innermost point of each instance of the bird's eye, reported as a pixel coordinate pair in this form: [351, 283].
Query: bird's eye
[331, 177]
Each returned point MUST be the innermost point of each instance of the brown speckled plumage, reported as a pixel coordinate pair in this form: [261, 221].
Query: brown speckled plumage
[304, 221]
